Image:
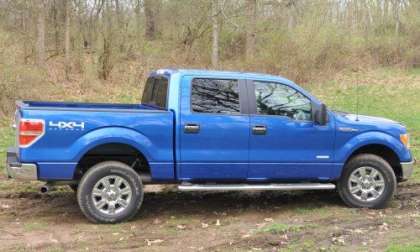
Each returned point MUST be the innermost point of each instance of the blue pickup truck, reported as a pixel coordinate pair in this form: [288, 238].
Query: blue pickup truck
[207, 131]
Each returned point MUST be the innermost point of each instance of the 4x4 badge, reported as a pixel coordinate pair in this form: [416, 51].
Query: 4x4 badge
[66, 125]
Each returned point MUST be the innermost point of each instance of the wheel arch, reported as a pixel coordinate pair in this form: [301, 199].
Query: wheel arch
[112, 151]
[381, 150]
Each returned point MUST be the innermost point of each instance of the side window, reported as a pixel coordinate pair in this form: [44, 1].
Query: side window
[155, 92]
[278, 99]
[215, 96]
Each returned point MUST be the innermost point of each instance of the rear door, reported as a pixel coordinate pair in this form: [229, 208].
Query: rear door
[215, 129]
[285, 143]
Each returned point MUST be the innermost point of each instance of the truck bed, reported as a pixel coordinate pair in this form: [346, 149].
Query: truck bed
[72, 130]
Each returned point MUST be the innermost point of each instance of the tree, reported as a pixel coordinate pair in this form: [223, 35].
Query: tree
[251, 29]
[67, 38]
[215, 34]
[150, 11]
[40, 44]
[105, 59]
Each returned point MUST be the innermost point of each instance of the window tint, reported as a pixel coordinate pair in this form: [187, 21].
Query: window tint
[155, 92]
[215, 96]
[278, 99]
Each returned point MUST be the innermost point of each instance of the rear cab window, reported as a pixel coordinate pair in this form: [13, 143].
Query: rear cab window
[155, 92]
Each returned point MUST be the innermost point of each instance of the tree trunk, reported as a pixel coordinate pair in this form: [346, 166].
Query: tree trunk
[150, 14]
[25, 29]
[251, 29]
[121, 31]
[291, 11]
[215, 34]
[138, 19]
[67, 39]
[56, 27]
[396, 8]
[40, 42]
[105, 58]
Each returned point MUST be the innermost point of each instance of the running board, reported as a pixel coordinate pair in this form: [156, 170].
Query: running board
[256, 187]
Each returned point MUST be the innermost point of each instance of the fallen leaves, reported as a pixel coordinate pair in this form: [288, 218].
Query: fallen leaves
[181, 227]
[152, 242]
[339, 240]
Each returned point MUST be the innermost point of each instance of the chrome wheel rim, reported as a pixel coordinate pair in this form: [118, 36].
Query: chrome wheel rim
[111, 194]
[366, 183]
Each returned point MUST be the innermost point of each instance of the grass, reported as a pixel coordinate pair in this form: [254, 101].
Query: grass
[387, 93]
[404, 248]
[280, 228]
[6, 140]
[34, 226]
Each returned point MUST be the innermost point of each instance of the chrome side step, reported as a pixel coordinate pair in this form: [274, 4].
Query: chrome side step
[256, 187]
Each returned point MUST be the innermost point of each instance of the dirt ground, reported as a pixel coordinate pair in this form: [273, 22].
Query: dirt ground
[180, 221]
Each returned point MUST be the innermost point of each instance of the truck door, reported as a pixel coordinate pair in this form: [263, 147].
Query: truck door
[214, 133]
[285, 143]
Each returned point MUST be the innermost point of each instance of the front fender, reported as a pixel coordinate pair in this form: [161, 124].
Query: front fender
[372, 137]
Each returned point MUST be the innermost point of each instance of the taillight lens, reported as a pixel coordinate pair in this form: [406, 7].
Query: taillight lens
[30, 130]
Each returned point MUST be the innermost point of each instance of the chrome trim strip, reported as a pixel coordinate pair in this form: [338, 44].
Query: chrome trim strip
[347, 129]
[407, 169]
[25, 106]
[256, 187]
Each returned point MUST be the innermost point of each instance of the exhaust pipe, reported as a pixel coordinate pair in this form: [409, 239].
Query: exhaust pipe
[44, 189]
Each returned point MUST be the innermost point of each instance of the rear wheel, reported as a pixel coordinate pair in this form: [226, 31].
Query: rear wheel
[110, 192]
[367, 181]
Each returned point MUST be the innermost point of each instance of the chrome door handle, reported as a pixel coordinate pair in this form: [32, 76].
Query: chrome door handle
[259, 130]
[191, 128]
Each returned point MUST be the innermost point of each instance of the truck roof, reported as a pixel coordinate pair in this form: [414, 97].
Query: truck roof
[236, 74]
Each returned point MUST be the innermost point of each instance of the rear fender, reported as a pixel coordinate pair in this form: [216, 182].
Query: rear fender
[112, 135]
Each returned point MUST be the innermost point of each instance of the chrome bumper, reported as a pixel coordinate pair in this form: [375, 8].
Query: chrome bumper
[17, 170]
[407, 169]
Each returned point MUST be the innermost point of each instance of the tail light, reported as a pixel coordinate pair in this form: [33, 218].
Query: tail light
[30, 131]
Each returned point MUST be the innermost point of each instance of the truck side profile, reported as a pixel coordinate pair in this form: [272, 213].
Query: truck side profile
[207, 130]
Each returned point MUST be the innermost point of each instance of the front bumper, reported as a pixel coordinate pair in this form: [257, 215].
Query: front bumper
[17, 170]
[407, 169]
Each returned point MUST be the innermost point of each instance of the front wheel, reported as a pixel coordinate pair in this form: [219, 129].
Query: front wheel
[110, 192]
[368, 181]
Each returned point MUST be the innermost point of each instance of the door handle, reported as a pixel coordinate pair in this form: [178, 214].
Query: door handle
[259, 130]
[191, 128]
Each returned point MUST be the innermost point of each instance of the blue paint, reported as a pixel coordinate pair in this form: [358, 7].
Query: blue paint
[224, 148]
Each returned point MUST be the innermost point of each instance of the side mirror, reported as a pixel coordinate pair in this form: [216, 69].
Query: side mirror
[321, 115]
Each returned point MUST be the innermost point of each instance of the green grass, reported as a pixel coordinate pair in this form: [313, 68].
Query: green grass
[6, 139]
[393, 94]
[280, 228]
[404, 248]
[34, 226]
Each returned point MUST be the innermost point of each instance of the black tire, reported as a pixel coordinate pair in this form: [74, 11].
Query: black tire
[100, 171]
[383, 167]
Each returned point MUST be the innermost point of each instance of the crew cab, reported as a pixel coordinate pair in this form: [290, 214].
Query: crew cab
[207, 131]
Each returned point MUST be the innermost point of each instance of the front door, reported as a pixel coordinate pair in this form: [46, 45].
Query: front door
[214, 130]
[285, 143]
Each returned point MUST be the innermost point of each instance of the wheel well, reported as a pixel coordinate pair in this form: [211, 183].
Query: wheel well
[383, 151]
[112, 152]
